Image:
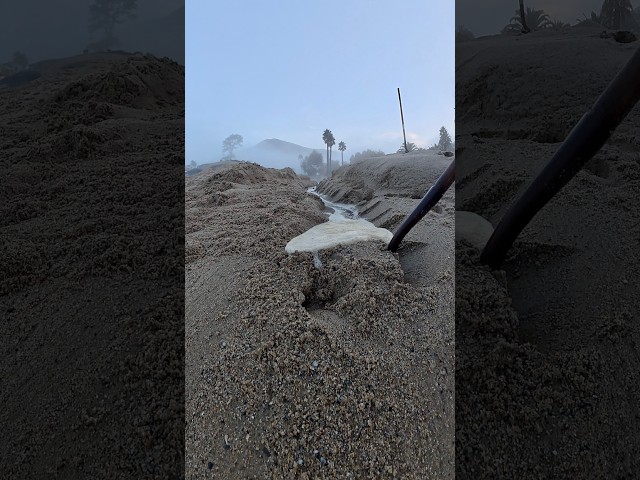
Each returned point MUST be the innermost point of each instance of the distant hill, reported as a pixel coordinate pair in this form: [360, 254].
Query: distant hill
[277, 153]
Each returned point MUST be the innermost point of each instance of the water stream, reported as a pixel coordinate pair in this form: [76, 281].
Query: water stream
[344, 227]
[338, 211]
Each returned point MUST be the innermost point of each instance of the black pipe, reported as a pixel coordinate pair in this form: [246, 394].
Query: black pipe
[582, 143]
[434, 194]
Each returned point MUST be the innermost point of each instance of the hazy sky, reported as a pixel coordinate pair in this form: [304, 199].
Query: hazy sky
[290, 69]
[490, 16]
[54, 29]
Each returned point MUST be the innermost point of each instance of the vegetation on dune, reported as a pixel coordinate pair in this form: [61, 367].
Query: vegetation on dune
[445, 143]
[558, 24]
[616, 13]
[533, 20]
[411, 147]
[368, 153]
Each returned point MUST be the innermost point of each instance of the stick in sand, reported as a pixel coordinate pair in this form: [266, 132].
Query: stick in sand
[582, 143]
[402, 118]
[434, 194]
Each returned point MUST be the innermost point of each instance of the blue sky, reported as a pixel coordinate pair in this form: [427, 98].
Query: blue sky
[290, 69]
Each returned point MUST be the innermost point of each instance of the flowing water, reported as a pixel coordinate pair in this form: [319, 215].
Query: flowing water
[336, 211]
[343, 227]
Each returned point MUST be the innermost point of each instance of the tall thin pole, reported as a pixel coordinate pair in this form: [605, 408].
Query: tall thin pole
[402, 118]
[523, 18]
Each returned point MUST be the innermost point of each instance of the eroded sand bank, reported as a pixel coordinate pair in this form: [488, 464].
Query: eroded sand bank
[313, 373]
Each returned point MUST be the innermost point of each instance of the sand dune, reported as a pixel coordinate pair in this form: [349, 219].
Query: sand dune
[91, 227]
[291, 369]
[546, 350]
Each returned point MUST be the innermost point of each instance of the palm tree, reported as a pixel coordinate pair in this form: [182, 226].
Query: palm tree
[558, 24]
[411, 147]
[325, 139]
[614, 12]
[331, 142]
[534, 20]
[342, 147]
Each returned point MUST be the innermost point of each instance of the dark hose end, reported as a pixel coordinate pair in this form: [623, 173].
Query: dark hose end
[394, 244]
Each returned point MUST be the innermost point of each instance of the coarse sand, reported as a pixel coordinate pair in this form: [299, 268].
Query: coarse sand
[91, 269]
[298, 372]
[547, 359]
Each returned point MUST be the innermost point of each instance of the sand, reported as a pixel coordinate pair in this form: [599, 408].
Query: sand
[295, 372]
[91, 269]
[547, 363]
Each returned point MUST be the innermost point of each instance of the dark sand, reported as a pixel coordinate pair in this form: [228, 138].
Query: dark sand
[91, 337]
[293, 372]
[547, 358]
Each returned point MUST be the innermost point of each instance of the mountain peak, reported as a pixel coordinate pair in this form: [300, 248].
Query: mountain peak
[277, 153]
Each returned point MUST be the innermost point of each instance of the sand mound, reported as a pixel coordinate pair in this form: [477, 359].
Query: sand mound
[386, 189]
[546, 350]
[255, 206]
[299, 371]
[396, 175]
[90, 254]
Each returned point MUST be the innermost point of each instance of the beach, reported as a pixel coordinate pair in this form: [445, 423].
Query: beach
[294, 371]
[546, 347]
[91, 268]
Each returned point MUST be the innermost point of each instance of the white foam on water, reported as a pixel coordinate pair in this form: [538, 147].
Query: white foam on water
[343, 228]
[331, 234]
[341, 211]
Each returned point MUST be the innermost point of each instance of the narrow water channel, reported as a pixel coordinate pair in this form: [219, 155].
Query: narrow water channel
[336, 211]
[344, 227]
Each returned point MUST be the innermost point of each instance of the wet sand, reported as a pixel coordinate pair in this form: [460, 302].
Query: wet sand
[295, 372]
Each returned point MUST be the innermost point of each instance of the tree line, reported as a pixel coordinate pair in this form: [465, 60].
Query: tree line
[444, 144]
[614, 14]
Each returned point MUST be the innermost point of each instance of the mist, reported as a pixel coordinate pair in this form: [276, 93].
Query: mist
[46, 30]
